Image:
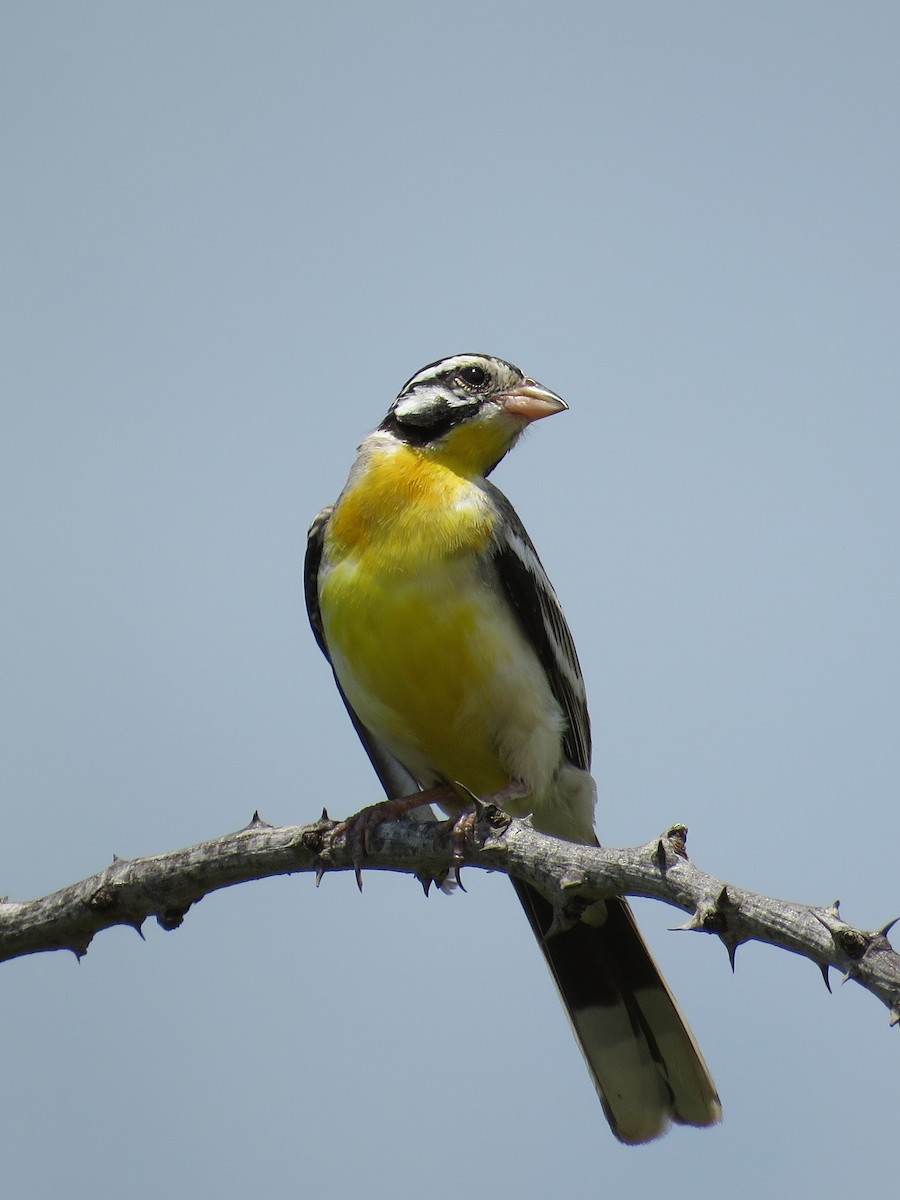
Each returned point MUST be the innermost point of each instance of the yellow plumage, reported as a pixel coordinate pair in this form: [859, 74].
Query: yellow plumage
[427, 654]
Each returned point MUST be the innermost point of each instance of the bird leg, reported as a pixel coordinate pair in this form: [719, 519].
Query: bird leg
[359, 827]
[462, 826]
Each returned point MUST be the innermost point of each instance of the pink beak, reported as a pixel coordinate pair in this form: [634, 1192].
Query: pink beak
[531, 401]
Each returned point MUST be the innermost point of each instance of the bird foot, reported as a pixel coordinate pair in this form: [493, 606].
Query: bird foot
[359, 827]
[461, 828]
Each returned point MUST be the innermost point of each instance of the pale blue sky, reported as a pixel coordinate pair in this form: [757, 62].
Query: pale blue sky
[229, 234]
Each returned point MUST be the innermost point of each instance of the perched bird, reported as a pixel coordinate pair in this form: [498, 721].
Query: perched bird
[456, 664]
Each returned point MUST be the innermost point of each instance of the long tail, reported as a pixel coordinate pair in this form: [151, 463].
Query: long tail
[642, 1057]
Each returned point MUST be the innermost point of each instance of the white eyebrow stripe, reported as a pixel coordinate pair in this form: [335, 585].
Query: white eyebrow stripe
[447, 366]
[441, 373]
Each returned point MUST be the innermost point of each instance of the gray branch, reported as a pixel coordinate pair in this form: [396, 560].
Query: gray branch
[166, 885]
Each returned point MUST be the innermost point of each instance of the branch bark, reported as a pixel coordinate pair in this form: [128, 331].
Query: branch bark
[166, 885]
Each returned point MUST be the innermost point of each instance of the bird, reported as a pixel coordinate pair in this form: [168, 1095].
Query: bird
[458, 669]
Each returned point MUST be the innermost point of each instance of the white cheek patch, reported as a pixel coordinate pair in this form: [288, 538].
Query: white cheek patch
[427, 404]
[415, 406]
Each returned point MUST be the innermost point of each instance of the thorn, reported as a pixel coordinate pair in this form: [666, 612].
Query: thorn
[689, 926]
[138, 929]
[426, 881]
[731, 945]
[823, 967]
[325, 816]
[357, 871]
[886, 929]
[80, 950]
[834, 909]
[458, 877]
[116, 858]
[320, 875]
[708, 919]
[659, 855]
[490, 812]
[256, 821]
[853, 973]
[476, 803]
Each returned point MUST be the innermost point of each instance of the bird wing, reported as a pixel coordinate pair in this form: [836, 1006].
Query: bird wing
[530, 595]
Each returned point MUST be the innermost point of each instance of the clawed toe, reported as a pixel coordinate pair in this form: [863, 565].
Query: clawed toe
[359, 827]
[459, 828]
[462, 828]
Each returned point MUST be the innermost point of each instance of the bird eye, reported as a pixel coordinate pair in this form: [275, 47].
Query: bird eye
[475, 377]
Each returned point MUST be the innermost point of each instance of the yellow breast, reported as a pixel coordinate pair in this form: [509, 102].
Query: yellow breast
[402, 509]
[426, 651]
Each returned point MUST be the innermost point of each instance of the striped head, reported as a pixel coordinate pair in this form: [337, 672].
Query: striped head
[468, 411]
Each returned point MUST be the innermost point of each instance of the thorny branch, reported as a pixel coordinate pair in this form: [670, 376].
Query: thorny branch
[166, 885]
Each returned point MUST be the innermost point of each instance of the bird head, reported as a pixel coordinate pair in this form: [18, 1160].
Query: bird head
[468, 411]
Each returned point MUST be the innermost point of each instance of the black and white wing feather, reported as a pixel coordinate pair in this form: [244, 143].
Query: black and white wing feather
[531, 596]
